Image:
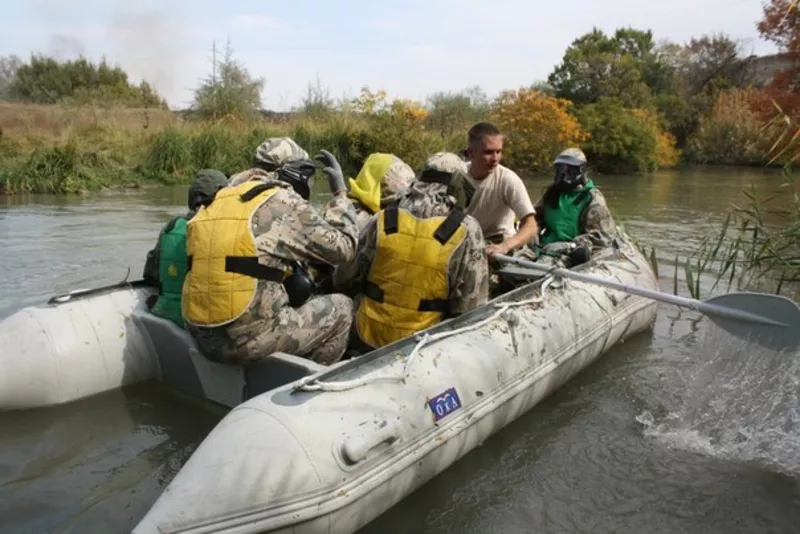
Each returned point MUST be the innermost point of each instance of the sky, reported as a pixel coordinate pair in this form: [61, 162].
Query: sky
[409, 48]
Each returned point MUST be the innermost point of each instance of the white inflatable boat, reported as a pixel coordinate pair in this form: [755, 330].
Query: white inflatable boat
[90, 341]
[331, 451]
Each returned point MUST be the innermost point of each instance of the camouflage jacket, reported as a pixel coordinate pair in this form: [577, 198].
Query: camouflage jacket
[468, 271]
[596, 226]
[288, 228]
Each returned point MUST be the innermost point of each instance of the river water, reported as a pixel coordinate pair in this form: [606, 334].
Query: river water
[677, 430]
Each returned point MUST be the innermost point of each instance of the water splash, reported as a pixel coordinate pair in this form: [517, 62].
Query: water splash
[741, 404]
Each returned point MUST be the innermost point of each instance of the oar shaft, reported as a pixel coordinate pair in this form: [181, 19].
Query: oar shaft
[684, 302]
[566, 273]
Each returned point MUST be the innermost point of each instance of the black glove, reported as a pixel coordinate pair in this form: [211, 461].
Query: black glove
[332, 170]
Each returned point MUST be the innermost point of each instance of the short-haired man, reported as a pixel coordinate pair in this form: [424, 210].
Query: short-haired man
[500, 194]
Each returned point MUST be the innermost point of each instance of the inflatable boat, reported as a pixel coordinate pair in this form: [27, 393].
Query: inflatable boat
[332, 450]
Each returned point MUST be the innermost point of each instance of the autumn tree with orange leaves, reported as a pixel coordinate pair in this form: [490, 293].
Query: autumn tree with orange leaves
[536, 127]
[781, 25]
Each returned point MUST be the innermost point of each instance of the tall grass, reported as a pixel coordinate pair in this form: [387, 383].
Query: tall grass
[58, 156]
[758, 244]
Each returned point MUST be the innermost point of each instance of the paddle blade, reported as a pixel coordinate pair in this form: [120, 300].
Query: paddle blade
[778, 327]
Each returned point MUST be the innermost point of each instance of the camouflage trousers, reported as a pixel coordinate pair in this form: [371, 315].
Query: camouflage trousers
[317, 330]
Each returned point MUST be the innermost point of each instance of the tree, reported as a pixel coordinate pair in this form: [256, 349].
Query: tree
[536, 127]
[624, 139]
[230, 91]
[622, 66]
[9, 65]
[45, 80]
[712, 57]
[453, 112]
[781, 25]
[731, 132]
[317, 103]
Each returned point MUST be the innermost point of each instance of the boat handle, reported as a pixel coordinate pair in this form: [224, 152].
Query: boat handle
[356, 449]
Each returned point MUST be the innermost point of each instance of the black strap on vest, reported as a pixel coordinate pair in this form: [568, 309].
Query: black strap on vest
[433, 176]
[390, 221]
[373, 292]
[582, 195]
[442, 234]
[249, 195]
[248, 266]
[449, 226]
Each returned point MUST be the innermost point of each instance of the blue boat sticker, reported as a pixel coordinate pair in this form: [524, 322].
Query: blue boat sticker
[444, 404]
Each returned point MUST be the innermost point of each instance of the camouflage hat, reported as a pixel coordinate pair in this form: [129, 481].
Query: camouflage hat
[205, 187]
[276, 151]
[445, 162]
[571, 156]
[450, 170]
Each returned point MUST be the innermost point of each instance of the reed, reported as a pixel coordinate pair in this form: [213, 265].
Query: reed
[757, 246]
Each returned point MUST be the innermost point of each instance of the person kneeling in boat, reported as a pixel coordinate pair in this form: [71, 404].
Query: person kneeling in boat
[419, 261]
[572, 213]
[246, 293]
[165, 266]
[382, 178]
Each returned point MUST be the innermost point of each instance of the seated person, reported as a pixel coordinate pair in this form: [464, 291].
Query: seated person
[379, 182]
[274, 152]
[572, 213]
[419, 261]
[500, 194]
[165, 266]
[246, 293]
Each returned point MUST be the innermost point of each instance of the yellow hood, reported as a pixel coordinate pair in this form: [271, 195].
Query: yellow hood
[366, 188]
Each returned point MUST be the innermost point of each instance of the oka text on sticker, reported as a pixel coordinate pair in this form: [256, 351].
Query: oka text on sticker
[444, 403]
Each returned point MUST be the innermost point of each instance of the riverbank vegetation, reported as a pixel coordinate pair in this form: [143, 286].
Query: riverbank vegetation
[632, 103]
[758, 244]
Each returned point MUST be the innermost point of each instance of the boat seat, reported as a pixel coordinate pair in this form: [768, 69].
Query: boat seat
[184, 367]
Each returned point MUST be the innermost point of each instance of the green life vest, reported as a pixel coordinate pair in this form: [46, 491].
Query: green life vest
[171, 270]
[561, 223]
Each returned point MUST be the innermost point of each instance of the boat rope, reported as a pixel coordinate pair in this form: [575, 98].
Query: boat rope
[312, 384]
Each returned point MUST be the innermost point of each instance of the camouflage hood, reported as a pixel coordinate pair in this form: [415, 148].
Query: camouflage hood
[261, 175]
[277, 151]
[449, 171]
[250, 174]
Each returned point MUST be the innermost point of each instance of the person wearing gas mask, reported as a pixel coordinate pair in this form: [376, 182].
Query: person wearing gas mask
[379, 182]
[419, 261]
[273, 153]
[572, 213]
[247, 293]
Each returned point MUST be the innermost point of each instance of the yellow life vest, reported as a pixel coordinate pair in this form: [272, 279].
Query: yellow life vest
[407, 285]
[223, 267]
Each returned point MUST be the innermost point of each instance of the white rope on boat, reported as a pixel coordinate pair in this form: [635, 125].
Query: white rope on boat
[311, 384]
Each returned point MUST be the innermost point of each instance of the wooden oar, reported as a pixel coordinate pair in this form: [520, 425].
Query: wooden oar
[772, 321]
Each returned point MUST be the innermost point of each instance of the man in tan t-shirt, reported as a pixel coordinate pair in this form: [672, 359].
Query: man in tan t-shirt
[499, 194]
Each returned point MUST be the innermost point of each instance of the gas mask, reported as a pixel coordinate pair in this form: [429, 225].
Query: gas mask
[568, 177]
[300, 175]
